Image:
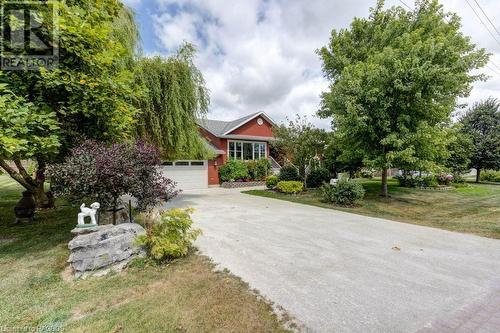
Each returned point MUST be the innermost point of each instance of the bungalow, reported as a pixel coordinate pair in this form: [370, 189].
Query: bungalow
[246, 138]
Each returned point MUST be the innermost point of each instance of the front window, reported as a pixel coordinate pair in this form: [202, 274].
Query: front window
[246, 150]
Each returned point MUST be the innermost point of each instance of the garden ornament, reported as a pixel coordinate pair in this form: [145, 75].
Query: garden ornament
[85, 211]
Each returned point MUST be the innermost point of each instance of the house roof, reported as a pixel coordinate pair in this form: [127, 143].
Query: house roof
[220, 128]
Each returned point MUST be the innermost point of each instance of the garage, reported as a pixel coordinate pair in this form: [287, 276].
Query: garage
[189, 175]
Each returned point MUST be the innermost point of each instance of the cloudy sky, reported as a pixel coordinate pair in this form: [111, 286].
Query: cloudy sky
[260, 54]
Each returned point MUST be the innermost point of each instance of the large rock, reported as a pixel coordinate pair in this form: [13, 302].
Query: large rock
[121, 215]
[108, 248]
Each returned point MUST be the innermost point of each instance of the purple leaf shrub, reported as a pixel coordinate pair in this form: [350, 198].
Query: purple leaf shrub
[101, 172]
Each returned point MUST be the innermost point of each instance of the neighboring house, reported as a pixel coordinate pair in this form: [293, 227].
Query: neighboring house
[245, 138]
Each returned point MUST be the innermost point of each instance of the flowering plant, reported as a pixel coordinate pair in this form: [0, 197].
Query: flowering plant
[444, 179]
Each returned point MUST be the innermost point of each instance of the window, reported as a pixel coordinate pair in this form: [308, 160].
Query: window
[167, 163]
[246, 150]
[182, 163]
[193, 163]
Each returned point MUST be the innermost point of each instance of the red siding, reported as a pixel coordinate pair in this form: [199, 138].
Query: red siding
[254, 129]
[250, 128]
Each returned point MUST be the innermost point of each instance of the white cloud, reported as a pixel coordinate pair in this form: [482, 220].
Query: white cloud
[260, 54]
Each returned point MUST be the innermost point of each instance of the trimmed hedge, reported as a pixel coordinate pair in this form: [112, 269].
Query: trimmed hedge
[345, 192]
[272, 181]
[290, 186]
[289, 173]
[318, 177]
[233, 170]
[490, 176]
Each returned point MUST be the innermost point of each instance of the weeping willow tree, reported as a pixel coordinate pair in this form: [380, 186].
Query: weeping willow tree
[174, 95]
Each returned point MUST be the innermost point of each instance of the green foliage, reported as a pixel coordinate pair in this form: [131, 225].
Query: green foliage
[290, 187]
[25, 131]
[263, 167]
[272, 181]
[490, 176]
[233, 170]
[460, 152]
[345, 192]
[418, 181]
[299, 141]
[318, 177]
[89, 94]
[482, 124]
[174, 96]
[395, 78]
[289, 172]
[91, 89]
[170, 235]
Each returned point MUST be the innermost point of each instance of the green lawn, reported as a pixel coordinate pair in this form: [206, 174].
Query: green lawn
[184, 296]
[473, 209]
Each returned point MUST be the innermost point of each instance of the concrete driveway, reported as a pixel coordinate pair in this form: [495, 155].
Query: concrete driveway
[339, 272]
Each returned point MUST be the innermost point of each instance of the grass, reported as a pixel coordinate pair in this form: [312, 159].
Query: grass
[186, 295]
[473, 209]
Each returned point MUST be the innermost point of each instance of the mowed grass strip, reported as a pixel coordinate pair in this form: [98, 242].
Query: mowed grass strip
[186, 295]
[473, 209]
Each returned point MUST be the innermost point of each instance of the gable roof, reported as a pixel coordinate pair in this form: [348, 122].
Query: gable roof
[220, 128]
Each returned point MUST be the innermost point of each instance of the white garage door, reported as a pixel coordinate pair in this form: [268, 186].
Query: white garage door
[189, 175]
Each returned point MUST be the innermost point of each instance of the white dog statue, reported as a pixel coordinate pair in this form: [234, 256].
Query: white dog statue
[85, 211]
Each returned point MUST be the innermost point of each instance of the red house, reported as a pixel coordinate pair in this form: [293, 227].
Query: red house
[245, 138]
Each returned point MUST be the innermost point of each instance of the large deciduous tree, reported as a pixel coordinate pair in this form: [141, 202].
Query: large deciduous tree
[174, 96]
[89, 94]
[395, 79]
[482, 124]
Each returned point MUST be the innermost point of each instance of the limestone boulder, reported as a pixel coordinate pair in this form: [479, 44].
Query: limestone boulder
[109, 247]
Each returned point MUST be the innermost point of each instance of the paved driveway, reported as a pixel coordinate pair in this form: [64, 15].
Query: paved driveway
[338, 272]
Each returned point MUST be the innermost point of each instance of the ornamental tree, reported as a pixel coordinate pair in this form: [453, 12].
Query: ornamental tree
[174, 95]
[89, 94]
[395, 79]
[482, 124]
[299, 141]
[100, 172]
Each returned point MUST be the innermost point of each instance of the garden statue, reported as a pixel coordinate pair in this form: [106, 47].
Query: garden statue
[85, 211]
[25, 207]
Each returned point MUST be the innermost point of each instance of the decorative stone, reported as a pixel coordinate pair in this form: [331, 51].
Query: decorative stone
[121, 215]
[242, 184]
[89, 229]
[108, 248]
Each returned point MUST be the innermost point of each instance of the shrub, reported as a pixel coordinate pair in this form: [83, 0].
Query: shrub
[317, 177]
[444, 179]
[271, 181]
[252, 169]
[263, 166]
[345, 192]
[169, 235]
[289, 173]
[290, 186]
[233, 170]
[490, 176]
[103, 173]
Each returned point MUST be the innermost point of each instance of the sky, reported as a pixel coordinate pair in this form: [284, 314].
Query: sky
[259, 55]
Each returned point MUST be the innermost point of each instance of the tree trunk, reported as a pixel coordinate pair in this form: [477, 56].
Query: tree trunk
[478, 175]
[384, 192]
[36, 186]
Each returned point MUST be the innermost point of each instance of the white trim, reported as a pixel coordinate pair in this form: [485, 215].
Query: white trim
[253, 149]
[261, 114]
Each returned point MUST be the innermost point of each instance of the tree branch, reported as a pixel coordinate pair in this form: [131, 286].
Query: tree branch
[23, 172]
[14, 174]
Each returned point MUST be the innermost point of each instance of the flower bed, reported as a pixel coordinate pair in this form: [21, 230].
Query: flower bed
[242, 184]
